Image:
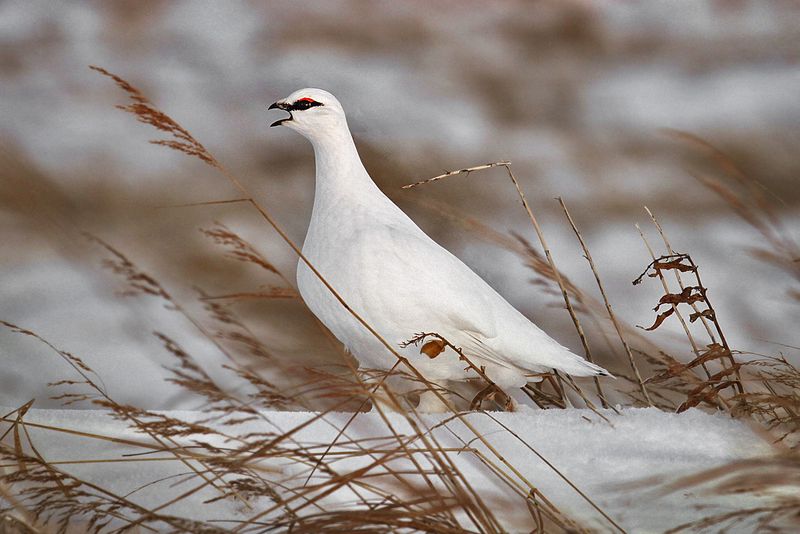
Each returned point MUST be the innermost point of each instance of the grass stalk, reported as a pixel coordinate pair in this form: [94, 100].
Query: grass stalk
[611, 315]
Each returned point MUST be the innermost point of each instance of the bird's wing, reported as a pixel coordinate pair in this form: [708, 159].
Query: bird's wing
[413, 285]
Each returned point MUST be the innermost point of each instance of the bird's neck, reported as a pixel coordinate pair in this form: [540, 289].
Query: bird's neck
[339, 168]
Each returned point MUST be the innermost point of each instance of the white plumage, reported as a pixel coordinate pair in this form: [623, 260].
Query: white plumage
[396, 277]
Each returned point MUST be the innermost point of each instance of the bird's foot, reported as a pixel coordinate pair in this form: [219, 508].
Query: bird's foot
[429, 402]
[494, 393]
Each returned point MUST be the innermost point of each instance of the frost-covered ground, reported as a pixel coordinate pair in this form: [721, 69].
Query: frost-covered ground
[599, 458]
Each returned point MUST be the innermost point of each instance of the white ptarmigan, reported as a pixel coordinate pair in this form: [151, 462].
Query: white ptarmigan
[398, 279]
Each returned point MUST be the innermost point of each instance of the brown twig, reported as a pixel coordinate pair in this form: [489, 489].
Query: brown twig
[611, 315]
[678, 277]
[556, 274]
[466, 171]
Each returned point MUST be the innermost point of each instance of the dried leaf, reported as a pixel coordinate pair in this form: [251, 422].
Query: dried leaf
[660, 319]
[684, 297]
[708, 314]
[666, 263]
[432, 348]
[672, 265]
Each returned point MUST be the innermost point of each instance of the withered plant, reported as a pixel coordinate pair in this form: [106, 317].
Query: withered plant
[397, 480]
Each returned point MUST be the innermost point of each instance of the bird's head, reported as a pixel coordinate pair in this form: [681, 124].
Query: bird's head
[312, 113]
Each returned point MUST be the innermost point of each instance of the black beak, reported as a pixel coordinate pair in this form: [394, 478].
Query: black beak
[285, 107]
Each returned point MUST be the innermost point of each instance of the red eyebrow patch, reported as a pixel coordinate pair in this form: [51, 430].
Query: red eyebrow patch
[306, 99]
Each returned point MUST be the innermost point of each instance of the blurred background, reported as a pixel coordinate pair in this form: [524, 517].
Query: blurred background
[575, 93]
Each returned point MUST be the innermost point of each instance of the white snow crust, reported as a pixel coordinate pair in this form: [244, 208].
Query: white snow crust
[601, 459]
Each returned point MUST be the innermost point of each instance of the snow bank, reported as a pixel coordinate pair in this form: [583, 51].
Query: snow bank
[598, 457]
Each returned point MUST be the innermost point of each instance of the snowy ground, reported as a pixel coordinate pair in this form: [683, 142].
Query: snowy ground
[599, 458]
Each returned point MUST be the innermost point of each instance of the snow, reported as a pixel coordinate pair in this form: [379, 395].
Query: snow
[598, 457]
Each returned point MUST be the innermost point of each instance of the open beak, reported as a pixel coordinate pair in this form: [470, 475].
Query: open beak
[285, 107]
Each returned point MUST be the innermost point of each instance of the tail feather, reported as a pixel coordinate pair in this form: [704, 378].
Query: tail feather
[576, 366]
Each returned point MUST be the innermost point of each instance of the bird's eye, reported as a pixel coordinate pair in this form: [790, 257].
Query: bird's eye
[305, 103]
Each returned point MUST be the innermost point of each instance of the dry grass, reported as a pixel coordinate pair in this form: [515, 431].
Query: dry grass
[403, 481]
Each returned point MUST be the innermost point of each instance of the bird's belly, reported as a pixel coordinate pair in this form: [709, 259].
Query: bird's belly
[357, 287]
[356, 338]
